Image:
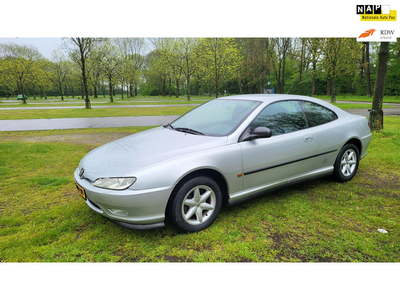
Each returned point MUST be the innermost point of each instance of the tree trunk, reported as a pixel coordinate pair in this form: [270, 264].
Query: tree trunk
[376, 113]
[61, 92]
[177, 89]
[333, 89]
[313, 78]
[367, 70]
[111, 91]
[261, 82]
[95, 91]
[169, 87]
[302, 59]
[328, 85]
[85, 85]
[23, 95]
[240, 84]
[188, 87]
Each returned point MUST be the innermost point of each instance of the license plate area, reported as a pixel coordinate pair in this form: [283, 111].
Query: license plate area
[81, 190]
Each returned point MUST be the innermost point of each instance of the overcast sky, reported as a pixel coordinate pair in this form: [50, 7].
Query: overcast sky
[44, 45]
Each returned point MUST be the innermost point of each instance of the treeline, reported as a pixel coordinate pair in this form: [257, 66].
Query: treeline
[196, 66]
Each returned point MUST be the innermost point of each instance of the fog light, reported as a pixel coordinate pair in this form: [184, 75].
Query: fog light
[118, 212]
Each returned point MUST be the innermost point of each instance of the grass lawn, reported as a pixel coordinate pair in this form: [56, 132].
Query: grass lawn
[43, 219]
[92, 113]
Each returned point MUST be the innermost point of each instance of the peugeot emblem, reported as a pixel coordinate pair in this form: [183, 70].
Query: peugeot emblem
[81, 173]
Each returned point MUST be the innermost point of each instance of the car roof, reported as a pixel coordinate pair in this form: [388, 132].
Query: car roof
[270, 98]
[267, 97]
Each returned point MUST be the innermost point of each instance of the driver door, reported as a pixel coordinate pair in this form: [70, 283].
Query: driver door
[286, 154]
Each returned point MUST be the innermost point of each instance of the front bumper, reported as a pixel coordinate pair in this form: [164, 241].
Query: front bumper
[130, 208]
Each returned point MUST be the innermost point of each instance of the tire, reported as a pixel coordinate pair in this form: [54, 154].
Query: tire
[346, 164]
[195, 205]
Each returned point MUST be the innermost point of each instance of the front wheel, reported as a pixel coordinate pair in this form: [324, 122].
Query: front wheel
[347, 162]
[196, 204]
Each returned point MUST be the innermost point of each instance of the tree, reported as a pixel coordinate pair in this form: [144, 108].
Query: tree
[376, 114]
[57, 71]
[367, 69]
[314, 46]
[110, 63]
[185, 49]
[340, 57]
[331, 52]
[19, 63]
[132, 50]
[256, 65]
[156, 71]
[220, 60]
[392, 84]
[80, 52]
[278, 50]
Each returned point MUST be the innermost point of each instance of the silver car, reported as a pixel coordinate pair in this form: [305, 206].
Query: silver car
[224, 151]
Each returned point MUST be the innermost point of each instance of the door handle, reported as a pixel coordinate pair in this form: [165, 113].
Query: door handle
[308, 139]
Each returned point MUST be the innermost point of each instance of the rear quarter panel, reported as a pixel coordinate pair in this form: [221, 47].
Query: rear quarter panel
[334, 135]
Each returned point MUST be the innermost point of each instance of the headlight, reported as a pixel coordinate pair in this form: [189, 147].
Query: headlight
[114, 183]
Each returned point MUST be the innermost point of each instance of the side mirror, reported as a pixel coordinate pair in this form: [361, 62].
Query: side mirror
[257, 133]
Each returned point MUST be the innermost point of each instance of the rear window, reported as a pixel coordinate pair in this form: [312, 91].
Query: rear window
[318, 114]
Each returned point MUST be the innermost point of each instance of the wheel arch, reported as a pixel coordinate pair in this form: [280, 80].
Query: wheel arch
[213, 174]
[356, 142]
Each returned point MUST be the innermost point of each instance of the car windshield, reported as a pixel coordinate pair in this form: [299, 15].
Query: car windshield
[216, 117]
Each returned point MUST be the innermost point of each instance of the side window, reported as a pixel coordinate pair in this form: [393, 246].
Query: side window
[281, 117]
[317, 114]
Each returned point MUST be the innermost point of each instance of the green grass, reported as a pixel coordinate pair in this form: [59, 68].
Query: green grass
[43, 219]
[91, 113]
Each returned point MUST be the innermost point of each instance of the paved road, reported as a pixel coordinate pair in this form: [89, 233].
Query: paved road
[386, 111]
[73, 123]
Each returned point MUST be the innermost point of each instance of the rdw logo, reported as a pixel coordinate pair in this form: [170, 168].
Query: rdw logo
[367, 33]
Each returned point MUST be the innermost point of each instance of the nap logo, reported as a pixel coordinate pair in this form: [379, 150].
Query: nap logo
[370, 9]
[376, 13]
[373, 9]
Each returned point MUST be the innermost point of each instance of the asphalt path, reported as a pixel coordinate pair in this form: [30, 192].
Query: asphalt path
[73, 123]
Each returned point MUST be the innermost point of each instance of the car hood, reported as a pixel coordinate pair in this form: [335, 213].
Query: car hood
[124, 156]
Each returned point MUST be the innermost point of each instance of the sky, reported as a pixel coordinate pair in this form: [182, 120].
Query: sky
[44, 45]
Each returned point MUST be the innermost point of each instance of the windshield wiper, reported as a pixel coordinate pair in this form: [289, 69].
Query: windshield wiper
[169, 126]
[188, 130]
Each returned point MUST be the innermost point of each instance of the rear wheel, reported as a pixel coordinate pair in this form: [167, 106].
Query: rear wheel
[347, 162]
[196, 204]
